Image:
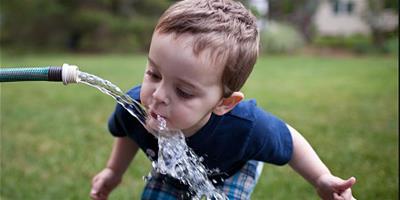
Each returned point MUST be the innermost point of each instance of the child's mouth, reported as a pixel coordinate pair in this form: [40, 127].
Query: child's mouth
[154, 115]
[155, 122]
[157, 118]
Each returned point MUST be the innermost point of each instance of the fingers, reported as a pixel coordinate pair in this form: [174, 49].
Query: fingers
[99, 194]
[345, 184]
[336, 196]
[346, 195]
[99, 190]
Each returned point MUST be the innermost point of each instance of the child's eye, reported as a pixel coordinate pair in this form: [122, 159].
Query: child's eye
[184, 94]
[153, 75]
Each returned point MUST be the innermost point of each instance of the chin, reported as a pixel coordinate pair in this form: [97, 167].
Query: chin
[152, 125]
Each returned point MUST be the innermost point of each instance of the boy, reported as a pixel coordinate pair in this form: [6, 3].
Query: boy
[201, 53]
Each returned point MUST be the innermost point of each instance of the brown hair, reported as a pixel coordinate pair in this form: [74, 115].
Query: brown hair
[225, 27]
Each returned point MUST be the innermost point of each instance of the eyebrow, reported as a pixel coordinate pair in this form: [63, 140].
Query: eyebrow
[183, 81]
[152, 62]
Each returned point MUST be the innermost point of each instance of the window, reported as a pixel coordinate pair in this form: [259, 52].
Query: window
[341, 7]
[350, 7]
[336, 4]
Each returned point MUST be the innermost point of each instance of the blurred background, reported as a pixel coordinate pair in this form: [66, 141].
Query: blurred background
[327, 67]
[361, 26]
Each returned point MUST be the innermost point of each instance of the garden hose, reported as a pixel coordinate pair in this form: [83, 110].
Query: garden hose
[66, 74]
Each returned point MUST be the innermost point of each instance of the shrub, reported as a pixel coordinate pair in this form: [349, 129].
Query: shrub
[391, 45]
[357, 43]
[280, 38]
[104, 32]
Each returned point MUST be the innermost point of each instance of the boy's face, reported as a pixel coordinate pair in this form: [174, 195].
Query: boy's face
[179, 86]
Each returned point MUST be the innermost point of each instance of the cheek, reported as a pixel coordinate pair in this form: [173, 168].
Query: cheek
[185, 117]
[145, 93]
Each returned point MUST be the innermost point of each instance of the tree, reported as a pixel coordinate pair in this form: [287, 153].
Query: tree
[88, 25]
[299, 13]
[382, 17]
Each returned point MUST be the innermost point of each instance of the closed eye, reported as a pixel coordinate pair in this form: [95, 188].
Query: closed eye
[153, 75]
[183, 94]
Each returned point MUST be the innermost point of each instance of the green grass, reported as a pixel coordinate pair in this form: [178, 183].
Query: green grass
[54, 138]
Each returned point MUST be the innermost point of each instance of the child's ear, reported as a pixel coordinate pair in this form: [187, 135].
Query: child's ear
[228, 103]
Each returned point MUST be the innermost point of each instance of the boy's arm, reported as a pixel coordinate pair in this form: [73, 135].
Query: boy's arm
[306, 162]
[124, 149]
[104, 182]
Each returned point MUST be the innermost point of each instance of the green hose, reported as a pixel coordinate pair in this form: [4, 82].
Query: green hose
[30, 74]
[66, 74]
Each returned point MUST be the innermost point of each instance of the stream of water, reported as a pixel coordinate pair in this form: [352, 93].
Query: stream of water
[175, 158]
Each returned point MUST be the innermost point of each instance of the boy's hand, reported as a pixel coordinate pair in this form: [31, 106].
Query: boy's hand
[103, 183]
[330, 187]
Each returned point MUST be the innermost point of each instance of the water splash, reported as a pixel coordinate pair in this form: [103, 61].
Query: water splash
[175, 158]
[105, 86]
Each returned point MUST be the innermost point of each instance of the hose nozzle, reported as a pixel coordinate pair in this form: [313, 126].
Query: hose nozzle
[69, 74]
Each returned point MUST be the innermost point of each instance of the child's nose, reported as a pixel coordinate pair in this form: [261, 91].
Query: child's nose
[161, 95]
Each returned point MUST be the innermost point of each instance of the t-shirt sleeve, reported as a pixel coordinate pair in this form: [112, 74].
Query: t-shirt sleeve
[270, 140]
[117, 122]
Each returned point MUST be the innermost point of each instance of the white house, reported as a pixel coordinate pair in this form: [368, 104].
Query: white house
[341, 17]
[348, 17]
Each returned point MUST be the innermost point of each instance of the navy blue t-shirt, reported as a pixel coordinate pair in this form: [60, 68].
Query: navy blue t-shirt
[226, 142]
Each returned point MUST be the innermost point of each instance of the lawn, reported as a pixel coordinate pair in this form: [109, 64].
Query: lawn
[54, 138]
